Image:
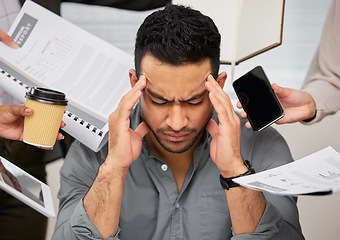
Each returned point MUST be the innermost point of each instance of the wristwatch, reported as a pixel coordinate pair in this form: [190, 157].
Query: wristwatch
[227, 183]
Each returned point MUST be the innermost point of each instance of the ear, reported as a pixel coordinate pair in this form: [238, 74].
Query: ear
[133, 77]
[221, 79]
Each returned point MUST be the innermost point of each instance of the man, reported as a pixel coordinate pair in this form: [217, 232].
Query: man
[158, 176]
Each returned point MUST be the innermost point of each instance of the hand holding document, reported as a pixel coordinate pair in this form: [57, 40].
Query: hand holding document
[53, 53]
[316, 174]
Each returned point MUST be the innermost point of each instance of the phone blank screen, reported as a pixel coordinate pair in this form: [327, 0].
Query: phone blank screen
[257, 98]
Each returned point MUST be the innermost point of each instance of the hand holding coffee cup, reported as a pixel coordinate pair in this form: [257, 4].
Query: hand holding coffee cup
[42, 127]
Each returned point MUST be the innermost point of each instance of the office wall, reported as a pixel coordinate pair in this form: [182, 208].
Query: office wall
[319, 216]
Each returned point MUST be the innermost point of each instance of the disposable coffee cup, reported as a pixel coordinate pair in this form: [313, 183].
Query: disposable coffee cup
[42, 127]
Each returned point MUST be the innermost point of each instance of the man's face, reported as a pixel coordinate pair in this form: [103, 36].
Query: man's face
[175, 103]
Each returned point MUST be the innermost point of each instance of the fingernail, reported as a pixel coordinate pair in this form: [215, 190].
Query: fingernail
[28, 111]
[14, 44]
[142, 78]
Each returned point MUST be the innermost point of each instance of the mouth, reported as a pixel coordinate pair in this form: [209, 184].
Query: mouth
[176, 137]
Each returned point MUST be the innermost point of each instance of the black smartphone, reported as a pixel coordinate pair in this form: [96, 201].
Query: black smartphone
[258, 99]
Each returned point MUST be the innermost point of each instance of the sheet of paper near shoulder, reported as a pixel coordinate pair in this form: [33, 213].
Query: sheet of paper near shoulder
[317, 174]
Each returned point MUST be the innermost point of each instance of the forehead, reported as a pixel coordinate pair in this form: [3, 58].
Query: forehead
[175, 82]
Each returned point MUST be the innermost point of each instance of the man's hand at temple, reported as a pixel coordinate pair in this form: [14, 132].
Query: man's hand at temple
[246, 206]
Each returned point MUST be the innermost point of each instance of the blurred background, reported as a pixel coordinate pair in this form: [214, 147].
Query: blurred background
[286, 65]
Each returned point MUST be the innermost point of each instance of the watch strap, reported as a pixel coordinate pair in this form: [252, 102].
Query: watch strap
[228, 183]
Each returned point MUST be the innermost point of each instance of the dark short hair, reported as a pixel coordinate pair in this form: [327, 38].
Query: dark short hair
[177, 35]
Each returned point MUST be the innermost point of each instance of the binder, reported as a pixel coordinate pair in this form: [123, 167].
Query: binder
[89, 134]
[54, 53]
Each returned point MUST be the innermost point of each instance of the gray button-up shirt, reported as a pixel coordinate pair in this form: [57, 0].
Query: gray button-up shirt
[153, 209]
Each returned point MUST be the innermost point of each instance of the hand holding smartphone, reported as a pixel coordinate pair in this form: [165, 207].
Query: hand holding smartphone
[258, 99]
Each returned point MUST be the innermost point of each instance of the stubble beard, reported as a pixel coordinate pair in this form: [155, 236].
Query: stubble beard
[168, 129]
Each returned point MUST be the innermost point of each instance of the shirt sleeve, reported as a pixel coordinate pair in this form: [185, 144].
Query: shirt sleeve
[76, 177]
[265, 150]
[323, 77]
[272, 226]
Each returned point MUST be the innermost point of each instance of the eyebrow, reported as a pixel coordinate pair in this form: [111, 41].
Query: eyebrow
[160, 97]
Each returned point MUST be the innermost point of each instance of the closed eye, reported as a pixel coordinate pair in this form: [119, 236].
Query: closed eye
[158, 103]
[193, 103]
[189, 103]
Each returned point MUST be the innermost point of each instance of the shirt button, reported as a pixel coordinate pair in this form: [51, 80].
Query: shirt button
[164, 167]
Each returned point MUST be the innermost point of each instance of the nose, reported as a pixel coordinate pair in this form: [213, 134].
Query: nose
[177, 118]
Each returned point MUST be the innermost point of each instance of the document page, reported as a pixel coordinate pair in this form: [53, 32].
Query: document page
[316, 174]
[56, 54]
